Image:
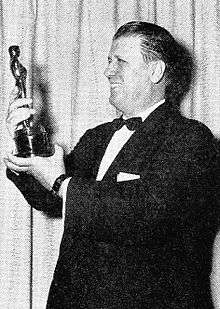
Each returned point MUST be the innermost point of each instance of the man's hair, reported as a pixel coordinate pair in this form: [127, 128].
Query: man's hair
[157, 43]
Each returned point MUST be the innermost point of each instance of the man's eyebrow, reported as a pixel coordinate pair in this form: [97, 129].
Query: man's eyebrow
[118, 57]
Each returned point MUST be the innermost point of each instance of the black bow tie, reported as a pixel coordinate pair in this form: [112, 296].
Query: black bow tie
[131, 123]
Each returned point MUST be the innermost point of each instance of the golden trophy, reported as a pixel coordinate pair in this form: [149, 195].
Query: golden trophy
[30, 140]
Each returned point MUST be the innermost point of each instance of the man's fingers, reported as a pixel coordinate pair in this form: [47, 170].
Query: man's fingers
[18, 115]
[19, 162]
[18, 103]
[18, 111]
[15, 167]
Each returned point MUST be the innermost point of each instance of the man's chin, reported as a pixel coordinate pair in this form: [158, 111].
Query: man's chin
[114, 104]
[118, 103]
[114, 101]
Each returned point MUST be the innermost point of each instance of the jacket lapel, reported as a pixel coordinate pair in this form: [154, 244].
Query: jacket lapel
[102, 142]
[143, 144]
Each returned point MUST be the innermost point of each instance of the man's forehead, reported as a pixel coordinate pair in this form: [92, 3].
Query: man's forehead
[126, 45]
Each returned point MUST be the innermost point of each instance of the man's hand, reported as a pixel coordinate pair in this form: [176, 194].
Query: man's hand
[18, 111]
[44, 169]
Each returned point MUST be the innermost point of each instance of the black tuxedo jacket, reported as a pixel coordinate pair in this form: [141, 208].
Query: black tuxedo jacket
[143, 243]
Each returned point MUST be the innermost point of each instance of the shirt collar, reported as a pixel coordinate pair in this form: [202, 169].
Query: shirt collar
[148, 111]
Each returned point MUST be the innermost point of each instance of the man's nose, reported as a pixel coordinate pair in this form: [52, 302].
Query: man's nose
[110, 70]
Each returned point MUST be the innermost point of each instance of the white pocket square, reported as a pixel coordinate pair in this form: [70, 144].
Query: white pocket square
[126, 177]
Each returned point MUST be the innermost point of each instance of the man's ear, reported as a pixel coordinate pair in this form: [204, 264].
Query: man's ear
[156, 70]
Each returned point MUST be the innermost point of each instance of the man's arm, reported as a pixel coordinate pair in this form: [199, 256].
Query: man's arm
[36, 188]
[35, 176]
[176, 187]
[36, 194]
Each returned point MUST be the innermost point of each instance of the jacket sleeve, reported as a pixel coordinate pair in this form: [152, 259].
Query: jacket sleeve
[36, 195]
[179, 186]
[39, 197]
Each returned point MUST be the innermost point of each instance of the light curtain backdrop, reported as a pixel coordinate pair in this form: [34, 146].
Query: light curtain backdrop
[64, 46]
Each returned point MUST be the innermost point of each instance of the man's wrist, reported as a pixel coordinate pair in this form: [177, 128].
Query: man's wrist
[58, 183]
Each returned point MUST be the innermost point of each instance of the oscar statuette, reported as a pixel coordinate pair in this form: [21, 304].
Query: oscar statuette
[30, 140]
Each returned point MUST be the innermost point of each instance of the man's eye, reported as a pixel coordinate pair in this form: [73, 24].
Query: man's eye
[117, 60]
[120, 60]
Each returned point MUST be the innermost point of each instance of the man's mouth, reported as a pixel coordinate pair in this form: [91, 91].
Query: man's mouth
[115, 84]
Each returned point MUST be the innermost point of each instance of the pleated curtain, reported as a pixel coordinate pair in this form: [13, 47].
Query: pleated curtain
[64, 46]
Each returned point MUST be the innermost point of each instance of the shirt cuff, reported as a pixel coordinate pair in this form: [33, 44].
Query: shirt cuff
[62, 193]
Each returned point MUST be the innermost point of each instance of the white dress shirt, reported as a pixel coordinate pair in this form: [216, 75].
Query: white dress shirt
[118, 140]
[116, 143]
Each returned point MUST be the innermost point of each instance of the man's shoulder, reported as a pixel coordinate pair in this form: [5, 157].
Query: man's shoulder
[101, 127]
[170, 121]
[190, 126]
[96, 133]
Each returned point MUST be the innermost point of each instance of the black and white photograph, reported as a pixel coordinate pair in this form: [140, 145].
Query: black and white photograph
[110, 154]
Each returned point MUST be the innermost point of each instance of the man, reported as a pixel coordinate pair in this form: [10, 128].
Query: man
[139, 195]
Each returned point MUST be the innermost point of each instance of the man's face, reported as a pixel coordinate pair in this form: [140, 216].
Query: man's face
[128, 76]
